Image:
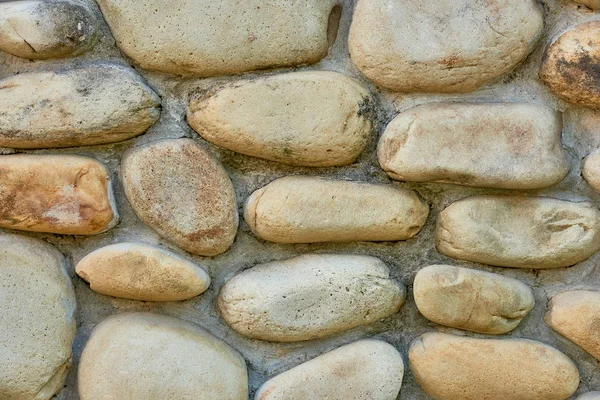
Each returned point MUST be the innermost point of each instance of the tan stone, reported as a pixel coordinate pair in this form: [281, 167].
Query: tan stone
[63, 194]
[472, 300]
[313, 118]
[589, 396]
[593, 4]
[498, 145]
[591, 170]
[178, 189]
[309, 297]
[37, 303]
[301, 209]
[363, 370]
[142, 272]
[441, 46]
[519, 232]
[449, 367]
[145, 356]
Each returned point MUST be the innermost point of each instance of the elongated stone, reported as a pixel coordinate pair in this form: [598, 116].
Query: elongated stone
[309, 297]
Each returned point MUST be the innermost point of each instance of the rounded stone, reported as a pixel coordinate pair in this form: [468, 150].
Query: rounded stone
[593, 4]
[591, 170]
[589, 395]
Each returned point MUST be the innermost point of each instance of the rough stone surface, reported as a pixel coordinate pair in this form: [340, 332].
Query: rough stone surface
[591, 170]
[309, 297]
[589, 396]
[519, 232]
[593, 4]
[317, 119]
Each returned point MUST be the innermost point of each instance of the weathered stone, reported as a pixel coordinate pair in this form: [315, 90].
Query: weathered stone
[178, 189]
[37, 303]
[90, 105]
[363, 370]
[207, 38]
[302, 209]
[450, 367]
[471, 300]
[589, 396]
[309, 297]
[449, 46]
[519, 232]
[314, 118]
[593, 4]
[499, 145]
[142, 272]
[591, 170]
[63, 194]
[146, 356]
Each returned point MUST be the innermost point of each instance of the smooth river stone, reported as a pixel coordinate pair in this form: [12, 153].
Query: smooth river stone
[363, 370]
[178, 189]
[496, 145]
[309, 297]
[154, 357]
[90, 105]
[301, 209]
[314, 118]
[591, 170]
[142, 272]
[63, 194]
[442, 46]
[589, 395]
[519, 232]
[449, 367]
[594, 5]
[37, 303]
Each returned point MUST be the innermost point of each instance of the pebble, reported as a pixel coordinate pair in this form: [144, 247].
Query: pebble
[589, 396]
[591, 170]
[593, 4]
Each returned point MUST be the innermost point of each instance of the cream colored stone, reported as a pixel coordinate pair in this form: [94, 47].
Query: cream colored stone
[441, 46]
[178, 189]
[471, 300]
[313, 118]
[63, 194]
[593, 4]
[363, 370]
[497, 145]
[519, 232]
[301, 209]
[154, 357]
[37, 304]
[309, 297]
[449, 367]
[589, 396]
[591, 170]
[142, 272]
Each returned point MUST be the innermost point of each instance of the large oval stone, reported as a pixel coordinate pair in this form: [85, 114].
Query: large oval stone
[178, 189]
[37, 303]
[314, 118]
[519, 232]
[450, 367]
[302, 209]
[509, 146]
[146, 356]
[309, 297]
[363, 370]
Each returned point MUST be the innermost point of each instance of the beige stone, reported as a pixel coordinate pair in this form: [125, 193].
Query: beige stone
[363, 370]
[591, 170]
[589, 396]
[309, 297]
[449, 367]
[96, 104]
[37, 303]
[447, 46]
[519, 232]
[63, 194]
[472, 300]
[593, 4]
[313, 118]
[142, 272]
[178, 189]
[207, 38]
[497, 145]
[154, 357]
[301, 209]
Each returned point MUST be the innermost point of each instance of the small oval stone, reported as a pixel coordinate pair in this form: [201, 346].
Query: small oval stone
[449, 367]
[593, 4]
[65, 194]
[301, 209]
[496, 145]
[591, 170]
[314, 118]
[178, 189]
[142, 272]
[363, 370]
[147, 356]
[589, 396]
[309, 297]
[472, 300]
[519, 232]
